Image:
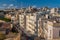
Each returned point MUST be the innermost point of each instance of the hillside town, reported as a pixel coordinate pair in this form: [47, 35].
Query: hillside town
[30, 23]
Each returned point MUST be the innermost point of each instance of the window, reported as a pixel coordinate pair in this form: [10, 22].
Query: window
[59, 33]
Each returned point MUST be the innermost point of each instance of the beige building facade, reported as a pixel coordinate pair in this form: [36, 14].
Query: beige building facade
[52, 30]
[30, 22]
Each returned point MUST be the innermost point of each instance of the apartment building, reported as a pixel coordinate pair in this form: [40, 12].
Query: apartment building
[51, 29]
[30, 22]
[54, 11]
[22, 20]
[48, 30]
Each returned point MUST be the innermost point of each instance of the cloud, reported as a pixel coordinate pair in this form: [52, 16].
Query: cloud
[34, 6]
[4, 5]
[11, 5]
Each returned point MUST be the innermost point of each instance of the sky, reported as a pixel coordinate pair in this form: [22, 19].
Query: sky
[27, 3]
